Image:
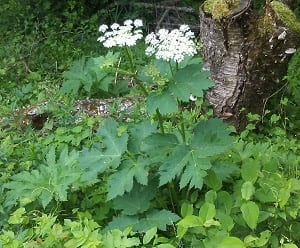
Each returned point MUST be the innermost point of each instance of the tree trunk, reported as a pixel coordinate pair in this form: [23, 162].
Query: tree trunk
[247, 55]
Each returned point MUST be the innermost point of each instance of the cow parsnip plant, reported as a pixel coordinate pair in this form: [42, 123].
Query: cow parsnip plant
[169, 176]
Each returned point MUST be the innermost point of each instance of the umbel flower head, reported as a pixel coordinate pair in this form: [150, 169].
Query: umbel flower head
[171, 45]
[120, 36]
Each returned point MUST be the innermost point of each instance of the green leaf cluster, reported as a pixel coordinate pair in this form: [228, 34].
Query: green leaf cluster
[90, 76]
[173, 84]
[51, 181]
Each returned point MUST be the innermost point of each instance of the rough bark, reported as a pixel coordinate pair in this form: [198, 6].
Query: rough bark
[247, 62]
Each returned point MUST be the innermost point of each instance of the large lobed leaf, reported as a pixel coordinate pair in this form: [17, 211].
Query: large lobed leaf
[87, 73]
[160, 219]
[122, 180]
[98, 159]
[210, 138]
[190, 80]
[138, 200]
[164, 102]
[189, 162]
[50, 181]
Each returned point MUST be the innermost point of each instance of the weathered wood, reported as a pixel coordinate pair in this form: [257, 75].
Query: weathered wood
[36, 115]
[247, 60]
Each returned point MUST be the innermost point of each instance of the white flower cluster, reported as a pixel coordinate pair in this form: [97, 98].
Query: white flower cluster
[173, 45]
[120, 36]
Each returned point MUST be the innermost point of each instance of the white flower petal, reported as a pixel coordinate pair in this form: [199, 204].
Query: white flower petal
[128, 22]
[138, 23]
[115, 26]
[174, 45]
[103, 28]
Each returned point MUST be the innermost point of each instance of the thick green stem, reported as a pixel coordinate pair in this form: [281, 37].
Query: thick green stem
[160, 121]
[129, 55]
[182, 126]
[133, 71]
[173, 196]
[171, 69]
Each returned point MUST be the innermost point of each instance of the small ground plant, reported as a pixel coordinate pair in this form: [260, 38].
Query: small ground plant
[169, 175]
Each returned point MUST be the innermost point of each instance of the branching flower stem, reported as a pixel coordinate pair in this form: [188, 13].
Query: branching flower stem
[133, 71]
[130, 58]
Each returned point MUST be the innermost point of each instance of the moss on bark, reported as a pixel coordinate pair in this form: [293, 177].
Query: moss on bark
[286, 15]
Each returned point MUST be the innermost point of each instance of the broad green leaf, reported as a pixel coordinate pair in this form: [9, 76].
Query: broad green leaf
[137, 200]
[163, 67]
[194, 172]
[122, 180]
[211, 222]
[74, 77]
[114, 144]
[141, 168]
[190, 80]
[187, 222]
[155, 218]
[96, 159]
[252, 241]
[174, 165]
[232, 242]
[164, 102]
[250, 212]
[160, 219]
[51, 156]
[223, 170]
[224, 202]
[294, 184]
[225, 220]
[247, 190]
[149, 235]
[210, 196]
[213, 181]
[91, 163]
[190, 221]
[250, 170]
[117, 239]
[283, 197]
[17, 216]
[84, 74]
[211, 138]
[207, 212]
[158, 146]
[138, 133]
[188, 60]
[265, 195]
[50, 181]
[186, 209]
[122, 222]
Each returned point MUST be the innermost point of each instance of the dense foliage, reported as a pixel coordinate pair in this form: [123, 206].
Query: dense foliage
[166, 174]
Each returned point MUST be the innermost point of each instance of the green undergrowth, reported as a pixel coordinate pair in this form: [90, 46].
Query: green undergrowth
[168, 175]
